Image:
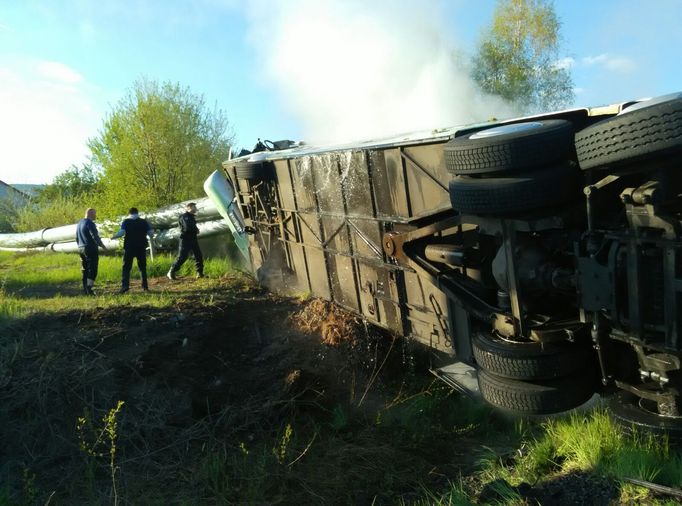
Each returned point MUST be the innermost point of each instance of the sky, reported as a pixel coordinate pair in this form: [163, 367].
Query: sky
[313, 70]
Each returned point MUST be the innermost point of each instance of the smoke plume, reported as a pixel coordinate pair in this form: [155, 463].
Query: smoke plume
[351, 70]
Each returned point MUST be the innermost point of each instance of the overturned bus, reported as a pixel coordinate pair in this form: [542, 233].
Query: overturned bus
[541, 254]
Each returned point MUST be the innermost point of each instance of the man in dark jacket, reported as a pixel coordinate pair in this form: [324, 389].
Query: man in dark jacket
[134, 231]
[88, 241]
[188, 242]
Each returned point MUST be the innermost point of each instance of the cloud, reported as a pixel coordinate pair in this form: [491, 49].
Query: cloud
[58, 72]
[47, 117]
[614, 63]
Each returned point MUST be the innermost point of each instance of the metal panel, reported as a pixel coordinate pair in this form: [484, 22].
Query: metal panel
[427, 179]
[332, 210]
[388, 176]
[355, 181]
[428, 310]
[328, 183]
[342, 278]
[284, 185]
[379, 296]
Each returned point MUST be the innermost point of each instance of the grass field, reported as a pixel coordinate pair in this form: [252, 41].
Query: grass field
[205, 392]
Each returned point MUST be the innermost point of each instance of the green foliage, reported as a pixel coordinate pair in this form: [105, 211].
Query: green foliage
[55, 212]
[591, 443]
[10, 307]
[5, 496]
[455, 496]
[158, 145]
[518, 57]
[73, 183]
[95, 441]
[62, 202]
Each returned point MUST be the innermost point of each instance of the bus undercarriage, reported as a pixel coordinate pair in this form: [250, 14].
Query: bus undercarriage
[542, 253]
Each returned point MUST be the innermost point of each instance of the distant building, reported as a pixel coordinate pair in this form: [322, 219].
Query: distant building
[12, 199]
[29, 189]
[13, 194]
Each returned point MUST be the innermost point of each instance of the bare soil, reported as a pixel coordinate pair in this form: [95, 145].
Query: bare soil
[220, 371]
[232, 396]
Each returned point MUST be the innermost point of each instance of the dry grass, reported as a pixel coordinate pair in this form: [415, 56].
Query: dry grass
[334, 324]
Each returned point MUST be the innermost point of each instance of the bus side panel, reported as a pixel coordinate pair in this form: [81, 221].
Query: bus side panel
[289, 233]
[428, 313]
[308, 222]
[389, 184]
[427, 179]
[379, 296]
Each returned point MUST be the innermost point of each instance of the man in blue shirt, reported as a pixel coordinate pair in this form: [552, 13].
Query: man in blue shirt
[88, 241]
[135, 231]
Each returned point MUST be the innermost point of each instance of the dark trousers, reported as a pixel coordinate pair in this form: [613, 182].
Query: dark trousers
[141, 256]
[89, 264]
[187, 246]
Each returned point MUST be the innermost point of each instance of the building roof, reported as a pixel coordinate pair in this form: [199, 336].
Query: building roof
[9, 191]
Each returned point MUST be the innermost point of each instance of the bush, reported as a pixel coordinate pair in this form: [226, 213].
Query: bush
[55, 213]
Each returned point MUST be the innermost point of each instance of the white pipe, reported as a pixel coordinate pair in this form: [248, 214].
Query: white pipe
[167, 217]
[163, 239]
[170, 236]
[163, 218]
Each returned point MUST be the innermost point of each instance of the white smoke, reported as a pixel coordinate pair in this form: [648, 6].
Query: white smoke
[351, 70]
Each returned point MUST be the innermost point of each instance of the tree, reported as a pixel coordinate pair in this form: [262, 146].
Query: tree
[73, 182]
[157, 147]
[518, 57]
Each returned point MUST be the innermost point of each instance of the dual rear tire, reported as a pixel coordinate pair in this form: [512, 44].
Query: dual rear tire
[533, 378]
[513, 168]
[503, 172]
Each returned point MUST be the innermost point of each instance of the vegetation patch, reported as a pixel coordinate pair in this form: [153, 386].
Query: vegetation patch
[213, 391]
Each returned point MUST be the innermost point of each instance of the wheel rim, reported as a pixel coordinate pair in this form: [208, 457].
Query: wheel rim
[651, 101]
[651, 407]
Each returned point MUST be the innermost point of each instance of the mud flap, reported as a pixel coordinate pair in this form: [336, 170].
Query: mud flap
[459, 376]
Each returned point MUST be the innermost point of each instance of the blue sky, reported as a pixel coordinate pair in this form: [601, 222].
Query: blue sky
[322, 70]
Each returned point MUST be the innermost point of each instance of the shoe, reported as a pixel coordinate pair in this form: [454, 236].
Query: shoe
[171, 275]
[89, 291]
[200, 275]
[123, 290]
[145, 289]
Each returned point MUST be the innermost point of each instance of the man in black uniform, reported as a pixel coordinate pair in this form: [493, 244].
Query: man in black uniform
[135, 231]
[88, 241]
[188, 242]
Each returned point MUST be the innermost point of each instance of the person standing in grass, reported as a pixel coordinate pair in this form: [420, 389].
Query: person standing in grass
[89, 242]
[134, 231]
[188, 242]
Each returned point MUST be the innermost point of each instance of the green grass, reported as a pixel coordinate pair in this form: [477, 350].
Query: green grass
[340, 451]
[592, 443]
[343, 453]
[51, 283]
